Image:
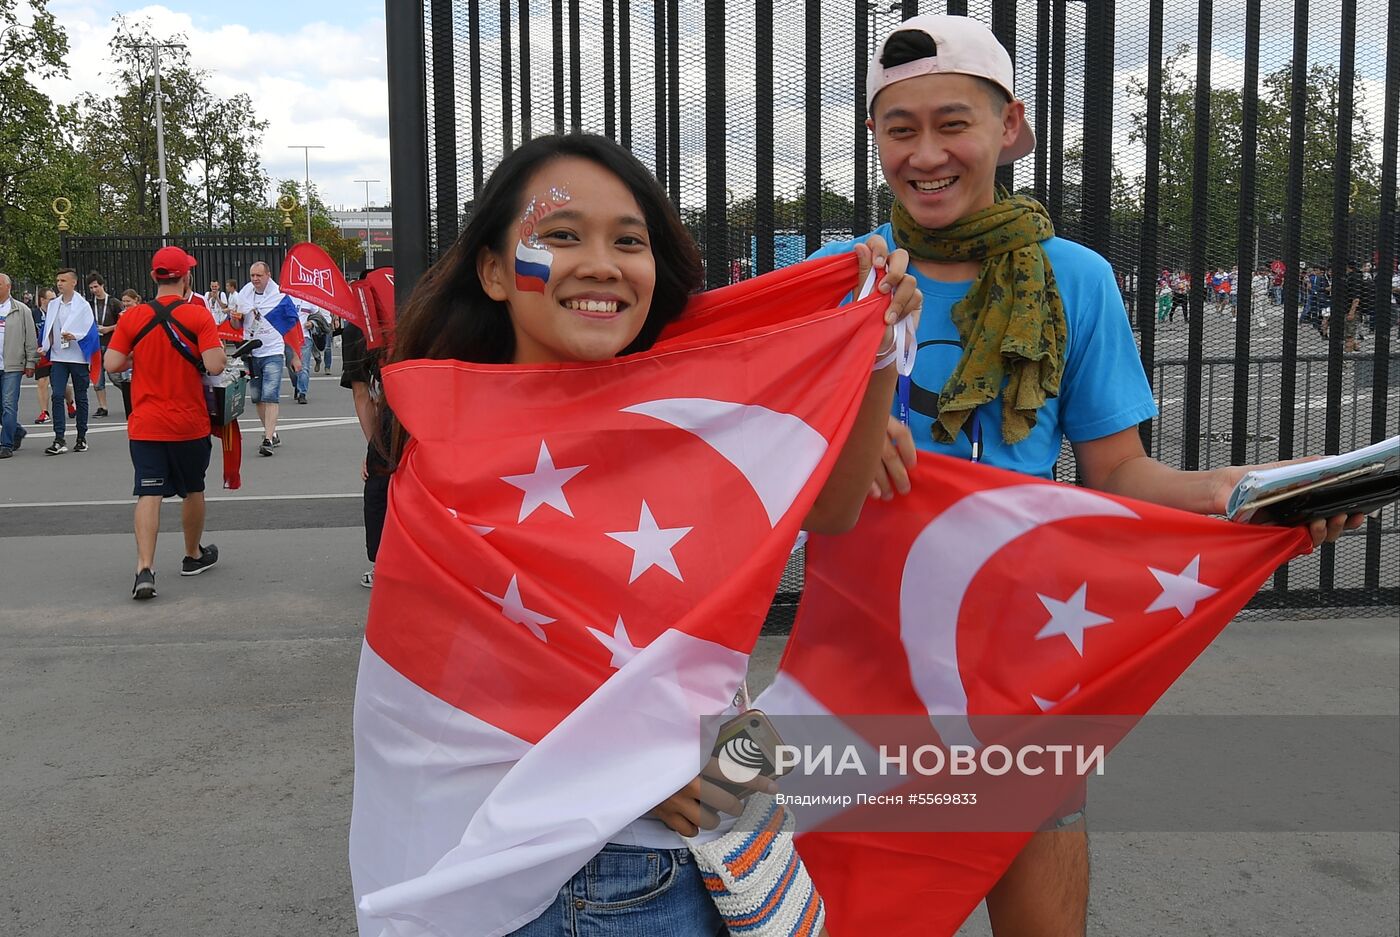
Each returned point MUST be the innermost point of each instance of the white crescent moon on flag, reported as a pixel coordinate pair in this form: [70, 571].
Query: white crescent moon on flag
[775, 451]
[945, 558]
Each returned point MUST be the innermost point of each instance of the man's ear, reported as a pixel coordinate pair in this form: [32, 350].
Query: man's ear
[1012, 120]
[491, 271]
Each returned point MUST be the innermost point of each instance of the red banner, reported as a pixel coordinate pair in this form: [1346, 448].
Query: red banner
[376, 296]
[309, 274]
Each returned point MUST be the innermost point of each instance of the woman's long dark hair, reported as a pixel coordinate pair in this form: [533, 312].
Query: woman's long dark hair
[450, 315]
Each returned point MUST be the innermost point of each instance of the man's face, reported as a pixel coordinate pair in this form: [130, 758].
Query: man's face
[939, 138]
[96, 289]
[258, 275]
[66, 283]
[4, 289]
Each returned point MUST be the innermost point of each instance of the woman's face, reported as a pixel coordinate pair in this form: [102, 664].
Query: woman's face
[128, 302]
[577, 274]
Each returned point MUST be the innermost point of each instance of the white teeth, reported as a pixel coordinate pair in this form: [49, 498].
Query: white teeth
[591, 305]
[936, 185]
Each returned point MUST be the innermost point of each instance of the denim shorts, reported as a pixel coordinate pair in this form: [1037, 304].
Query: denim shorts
[631, 891]
[265, 386]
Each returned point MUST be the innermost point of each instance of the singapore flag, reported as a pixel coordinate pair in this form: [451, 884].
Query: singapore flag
[985, 593]
[576, 563]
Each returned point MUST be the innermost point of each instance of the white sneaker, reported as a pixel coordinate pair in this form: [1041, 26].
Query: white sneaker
[367, 580]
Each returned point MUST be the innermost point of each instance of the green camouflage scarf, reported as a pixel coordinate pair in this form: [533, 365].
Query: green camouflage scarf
[1012, 322]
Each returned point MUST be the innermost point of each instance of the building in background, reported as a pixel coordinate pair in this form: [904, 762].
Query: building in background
[375, 225]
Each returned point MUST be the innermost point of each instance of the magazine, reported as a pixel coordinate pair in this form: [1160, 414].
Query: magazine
[1351, 483]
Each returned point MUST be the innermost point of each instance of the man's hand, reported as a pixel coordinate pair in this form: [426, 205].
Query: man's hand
[68, 336]
[898, 457]
[28, 372]
[296, 362]
[1322, 530]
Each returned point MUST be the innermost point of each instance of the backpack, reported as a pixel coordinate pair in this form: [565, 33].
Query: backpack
[164, 318]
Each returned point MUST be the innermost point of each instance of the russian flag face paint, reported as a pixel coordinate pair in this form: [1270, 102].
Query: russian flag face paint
[533, 260]
[532, 266]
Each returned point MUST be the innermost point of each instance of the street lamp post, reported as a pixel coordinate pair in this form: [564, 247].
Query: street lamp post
[367, 243]
[306, 152]
[155, 48]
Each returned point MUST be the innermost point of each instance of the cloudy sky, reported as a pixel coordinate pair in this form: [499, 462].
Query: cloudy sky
[313, 68]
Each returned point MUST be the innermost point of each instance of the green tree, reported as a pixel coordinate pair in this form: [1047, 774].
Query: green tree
[36, 165]
[226, 166]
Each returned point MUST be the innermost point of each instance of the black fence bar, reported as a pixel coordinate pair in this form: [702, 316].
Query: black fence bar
[673, 96]
[812, 175]
[1292, 244]
[1200, 228]
[716, 171]
[443, 87]
[863, 182]
[445, 129]
[1385, 265]
[507, 77]
[1342, 292]
[624, 67]
[408, 146]
[1042, 97]
[557, 22]
[575, 70]
[1097, 182]
[957, 7]
[764, 137]
[526, 132]
[1245, 233]
[1004, 28]
[658, 40]
[1147, 243]
[609, 74]
[909, 8]
[1055, 202]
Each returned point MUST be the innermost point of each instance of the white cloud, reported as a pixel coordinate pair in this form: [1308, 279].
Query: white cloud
[320, 83]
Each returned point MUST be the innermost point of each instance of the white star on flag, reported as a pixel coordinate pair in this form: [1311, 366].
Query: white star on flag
[651, 545]
[514, 609]
[1070, 618]
[618, 642]
[476, 527]
[1182, 590]
[1046, 704]
[545, 485]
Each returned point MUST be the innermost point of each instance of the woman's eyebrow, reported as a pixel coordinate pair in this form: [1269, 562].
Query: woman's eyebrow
[573, 214]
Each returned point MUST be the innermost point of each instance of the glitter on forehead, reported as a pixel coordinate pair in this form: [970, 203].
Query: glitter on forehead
[558, 194]
[529, 210]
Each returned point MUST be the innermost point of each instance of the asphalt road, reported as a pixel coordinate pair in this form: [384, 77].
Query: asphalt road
[183, 766]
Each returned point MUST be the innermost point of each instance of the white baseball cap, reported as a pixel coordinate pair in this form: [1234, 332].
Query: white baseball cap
[964, 47]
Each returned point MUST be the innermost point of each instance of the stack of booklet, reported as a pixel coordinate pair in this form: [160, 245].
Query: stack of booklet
[1352, 483]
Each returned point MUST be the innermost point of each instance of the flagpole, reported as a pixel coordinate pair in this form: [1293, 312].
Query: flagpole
[367, 243]
[155, 48]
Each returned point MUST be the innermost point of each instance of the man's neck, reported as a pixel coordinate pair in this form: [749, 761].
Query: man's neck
[163, 292]
[959, 272]
[67, 297]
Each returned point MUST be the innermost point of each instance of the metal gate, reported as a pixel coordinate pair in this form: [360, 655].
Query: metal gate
[1274, 149]
[125, 261]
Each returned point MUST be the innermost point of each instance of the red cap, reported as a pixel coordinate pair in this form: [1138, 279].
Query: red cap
[172, 262]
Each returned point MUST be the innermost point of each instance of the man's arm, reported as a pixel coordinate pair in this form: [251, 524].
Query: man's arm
[364, 409]
[115, 361]
[1118, 464]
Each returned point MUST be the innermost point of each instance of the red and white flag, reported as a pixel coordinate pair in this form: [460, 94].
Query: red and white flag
[309, 274]
[576, 563]
[988, 593]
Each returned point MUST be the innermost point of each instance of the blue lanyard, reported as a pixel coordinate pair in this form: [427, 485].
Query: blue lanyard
[902, 386]
[975, 434]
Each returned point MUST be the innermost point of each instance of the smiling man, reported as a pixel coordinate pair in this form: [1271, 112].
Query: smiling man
[1022, 345]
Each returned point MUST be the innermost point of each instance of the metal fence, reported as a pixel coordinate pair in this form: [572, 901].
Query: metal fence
[125, 260]
[1175, 137]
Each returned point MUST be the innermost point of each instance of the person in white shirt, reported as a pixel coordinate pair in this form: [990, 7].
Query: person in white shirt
[68, 325]
[259, 297]
[301, 380]
[217, 301]
[1259, 292]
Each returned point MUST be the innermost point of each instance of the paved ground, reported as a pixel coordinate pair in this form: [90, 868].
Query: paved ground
[183, 767]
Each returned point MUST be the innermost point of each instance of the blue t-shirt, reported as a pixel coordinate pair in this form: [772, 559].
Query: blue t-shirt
[1103, 389]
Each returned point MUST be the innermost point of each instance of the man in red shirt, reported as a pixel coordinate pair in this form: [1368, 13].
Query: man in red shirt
[168, 344]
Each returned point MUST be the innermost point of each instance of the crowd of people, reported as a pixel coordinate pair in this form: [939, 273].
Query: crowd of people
[46, 340]
[1221, 293]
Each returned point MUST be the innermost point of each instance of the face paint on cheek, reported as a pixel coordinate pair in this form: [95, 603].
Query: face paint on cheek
[533, 259]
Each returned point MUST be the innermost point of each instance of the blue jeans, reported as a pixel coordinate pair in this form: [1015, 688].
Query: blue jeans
[330, 345]
[10, 430]
[301, 380]
[631, 891]
[266, 383]
[62, 370]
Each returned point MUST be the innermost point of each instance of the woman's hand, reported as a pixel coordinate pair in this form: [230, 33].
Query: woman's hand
[697, 806]
[905, 298]
[898, 457]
